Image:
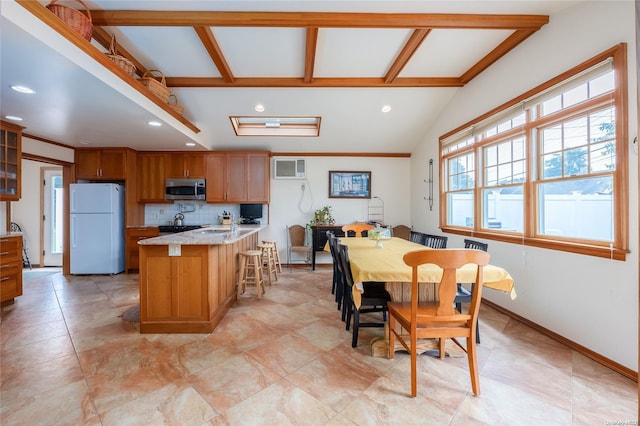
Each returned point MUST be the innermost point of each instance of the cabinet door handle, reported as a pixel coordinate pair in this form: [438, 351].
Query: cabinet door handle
[4, 253]
[4, 278]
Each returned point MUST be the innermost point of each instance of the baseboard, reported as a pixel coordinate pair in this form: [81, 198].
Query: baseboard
[618, 368]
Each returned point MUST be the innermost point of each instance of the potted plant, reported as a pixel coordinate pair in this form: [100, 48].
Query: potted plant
[323, 216]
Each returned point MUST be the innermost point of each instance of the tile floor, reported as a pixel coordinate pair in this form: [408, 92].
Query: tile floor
[67, 358]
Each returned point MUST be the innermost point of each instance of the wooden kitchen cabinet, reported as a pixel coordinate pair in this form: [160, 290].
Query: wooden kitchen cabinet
[10, 161]
[238, 177]
[132, 236]
[186, 166]
[101, 164]
[10, 268]
[151, 177]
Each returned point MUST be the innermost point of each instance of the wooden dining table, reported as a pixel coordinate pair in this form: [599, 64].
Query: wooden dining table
[382, 261]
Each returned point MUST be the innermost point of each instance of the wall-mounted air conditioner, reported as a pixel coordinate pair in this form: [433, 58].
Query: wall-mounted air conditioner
[289, 168]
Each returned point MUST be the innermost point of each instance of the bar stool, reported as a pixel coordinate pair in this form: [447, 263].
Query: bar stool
[276, 253]
[251, 272]
[268, 261]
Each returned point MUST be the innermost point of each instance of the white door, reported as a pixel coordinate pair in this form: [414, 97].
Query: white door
[52, 219]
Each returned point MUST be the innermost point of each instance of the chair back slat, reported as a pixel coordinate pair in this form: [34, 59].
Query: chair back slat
[472, 244]
[449, 260]
[436, 241]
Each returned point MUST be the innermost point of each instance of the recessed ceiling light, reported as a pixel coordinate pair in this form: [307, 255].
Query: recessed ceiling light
[23, 89]
[13, 118]
[190, 144]
[385, 108]
[84, 143]
[259, 108]
[155, 123]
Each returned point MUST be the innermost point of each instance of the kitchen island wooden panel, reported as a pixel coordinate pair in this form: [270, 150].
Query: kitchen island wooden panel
[190, 292]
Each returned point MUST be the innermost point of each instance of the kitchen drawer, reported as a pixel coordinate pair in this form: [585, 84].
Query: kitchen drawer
[9, 287]
[10, 250]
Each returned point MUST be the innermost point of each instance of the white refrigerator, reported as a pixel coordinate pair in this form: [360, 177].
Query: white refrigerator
[97, 228]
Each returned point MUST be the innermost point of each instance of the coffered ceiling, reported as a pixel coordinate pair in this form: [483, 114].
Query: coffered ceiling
[341, 61]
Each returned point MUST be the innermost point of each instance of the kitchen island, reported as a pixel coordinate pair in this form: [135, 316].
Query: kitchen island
[188, 280]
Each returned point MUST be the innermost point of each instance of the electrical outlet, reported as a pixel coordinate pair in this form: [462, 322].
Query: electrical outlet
[174, 249]
[302, 186]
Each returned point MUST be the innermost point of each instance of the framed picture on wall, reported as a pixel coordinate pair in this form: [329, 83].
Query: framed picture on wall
[349, 184]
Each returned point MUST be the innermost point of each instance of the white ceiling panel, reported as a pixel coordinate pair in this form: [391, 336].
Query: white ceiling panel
[263, 52]
[357, 53]
[176, 51]
[449, 53]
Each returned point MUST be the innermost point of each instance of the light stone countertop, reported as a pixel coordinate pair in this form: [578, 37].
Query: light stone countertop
[212, 235]
[6, 234]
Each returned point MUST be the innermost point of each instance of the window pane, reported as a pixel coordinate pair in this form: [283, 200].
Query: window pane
[575, 133]
[460, 208]
[552, 105]
[602, 84]
[461, 172]
[504, 152]
[551, 166]
[491, 156]
[602, 157]
[575, 95]
[579, 208]
[518, 149]
[575, 162]
[491, 176]
[519, 168]
[503, 209]
[551, 139]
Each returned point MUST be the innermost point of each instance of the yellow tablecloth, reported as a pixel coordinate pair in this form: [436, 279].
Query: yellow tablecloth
[371, 263]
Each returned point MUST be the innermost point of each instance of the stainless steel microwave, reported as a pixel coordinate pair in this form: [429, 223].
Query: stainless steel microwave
[185, 189]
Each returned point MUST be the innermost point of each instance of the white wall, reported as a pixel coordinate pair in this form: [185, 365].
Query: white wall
[291, 205]
[589, 300]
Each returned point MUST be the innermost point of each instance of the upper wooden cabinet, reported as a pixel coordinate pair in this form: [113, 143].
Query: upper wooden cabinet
[10, 161]
[238, 177]
[186, 165]
[101, 164]
[151, 176]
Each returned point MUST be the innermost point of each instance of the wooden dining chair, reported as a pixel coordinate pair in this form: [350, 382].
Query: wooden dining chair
[336, 285]
[401, 231]
[417, 237]
[356, 228]
[374, 298]
[296, 244]
[435, 241]
[463, 295]
[438, 319]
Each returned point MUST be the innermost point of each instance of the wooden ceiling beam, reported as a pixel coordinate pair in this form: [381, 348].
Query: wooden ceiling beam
[211, 44]
[193, 82]
[100, 35]
[314, 19]
[502, 49]
[414, 42]
[310, 53]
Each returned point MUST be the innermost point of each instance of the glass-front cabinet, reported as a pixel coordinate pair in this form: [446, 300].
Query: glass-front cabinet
[10, 161]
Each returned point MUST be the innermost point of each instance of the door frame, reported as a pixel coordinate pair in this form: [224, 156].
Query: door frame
[43, 171]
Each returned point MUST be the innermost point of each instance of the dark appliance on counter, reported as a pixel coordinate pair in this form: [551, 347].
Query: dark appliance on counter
[174, 229]
[185, 189]
[250, 213]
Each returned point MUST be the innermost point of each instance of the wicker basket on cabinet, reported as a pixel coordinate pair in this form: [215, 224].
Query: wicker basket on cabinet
[78, 21]
[157, 87]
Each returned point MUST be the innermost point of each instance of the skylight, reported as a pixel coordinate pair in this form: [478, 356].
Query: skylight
[276, 126]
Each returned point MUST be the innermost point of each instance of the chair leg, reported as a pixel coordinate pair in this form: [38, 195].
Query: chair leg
[442, 343]
[414, 374]
[392, 337]
[477, 331]
[473, 366]
[356, 327]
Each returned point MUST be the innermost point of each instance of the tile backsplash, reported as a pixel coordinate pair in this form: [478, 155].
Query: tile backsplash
[195, 213]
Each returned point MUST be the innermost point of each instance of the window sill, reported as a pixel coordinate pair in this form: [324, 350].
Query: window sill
[578, 248]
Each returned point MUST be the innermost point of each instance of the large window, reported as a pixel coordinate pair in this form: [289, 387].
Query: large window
[548, 168]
